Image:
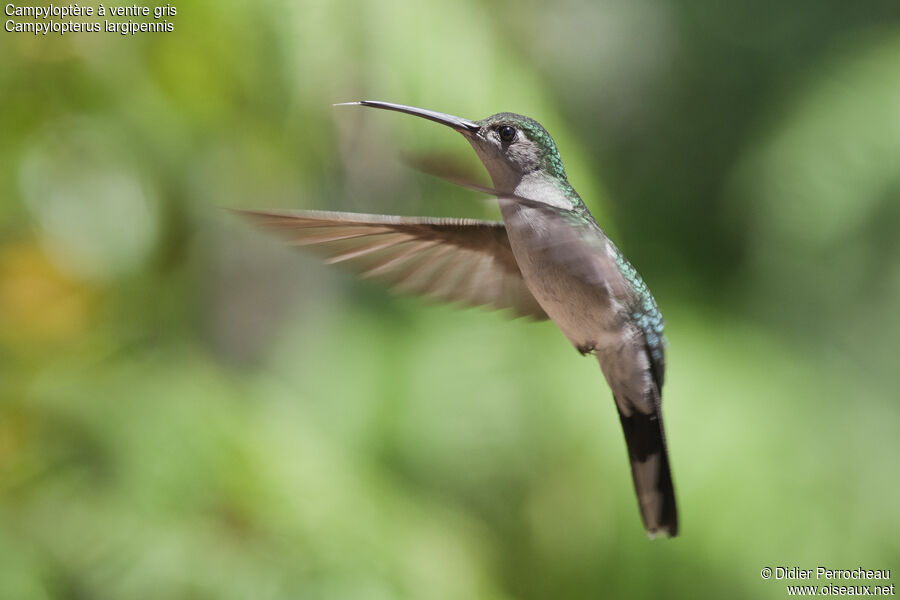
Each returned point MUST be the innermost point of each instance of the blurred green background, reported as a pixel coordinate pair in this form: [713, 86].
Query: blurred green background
[191, 409]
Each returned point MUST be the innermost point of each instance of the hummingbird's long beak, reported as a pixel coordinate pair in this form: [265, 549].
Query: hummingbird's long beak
[458, 123]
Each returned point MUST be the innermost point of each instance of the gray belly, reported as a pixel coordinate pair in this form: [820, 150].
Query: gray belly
[588, 306]
[587, 311]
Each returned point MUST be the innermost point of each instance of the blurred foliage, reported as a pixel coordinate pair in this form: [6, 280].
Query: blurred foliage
[191, 409]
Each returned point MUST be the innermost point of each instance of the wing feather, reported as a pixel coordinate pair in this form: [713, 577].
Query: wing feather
[454, 260]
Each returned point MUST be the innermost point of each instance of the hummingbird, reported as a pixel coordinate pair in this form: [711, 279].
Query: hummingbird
[547, 259]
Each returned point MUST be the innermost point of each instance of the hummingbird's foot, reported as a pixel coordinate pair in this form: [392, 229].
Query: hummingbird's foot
[587, 348]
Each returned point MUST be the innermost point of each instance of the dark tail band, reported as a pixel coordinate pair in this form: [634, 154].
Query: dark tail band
[646, 441]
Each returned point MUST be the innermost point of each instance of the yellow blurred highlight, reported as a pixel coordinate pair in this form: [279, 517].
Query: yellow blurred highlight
[39, 304]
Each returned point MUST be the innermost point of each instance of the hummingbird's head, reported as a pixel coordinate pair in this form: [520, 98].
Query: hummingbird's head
[511, 146]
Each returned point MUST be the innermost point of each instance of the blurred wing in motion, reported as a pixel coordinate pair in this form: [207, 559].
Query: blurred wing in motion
[451, 260]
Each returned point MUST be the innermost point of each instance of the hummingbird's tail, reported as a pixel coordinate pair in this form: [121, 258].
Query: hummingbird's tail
[646, 441]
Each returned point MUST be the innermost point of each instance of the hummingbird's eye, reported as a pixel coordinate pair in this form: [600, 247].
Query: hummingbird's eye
[507, 133]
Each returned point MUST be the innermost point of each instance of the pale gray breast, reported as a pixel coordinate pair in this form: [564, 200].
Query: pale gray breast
[570, 269]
